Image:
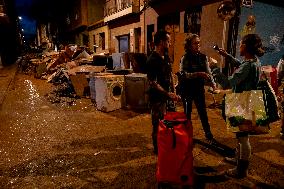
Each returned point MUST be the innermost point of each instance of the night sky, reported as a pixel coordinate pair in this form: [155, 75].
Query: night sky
[28, 24]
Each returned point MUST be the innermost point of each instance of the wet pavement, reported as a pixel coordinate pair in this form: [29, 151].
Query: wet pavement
[45, 145]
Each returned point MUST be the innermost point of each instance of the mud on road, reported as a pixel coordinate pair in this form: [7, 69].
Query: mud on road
[46, 145]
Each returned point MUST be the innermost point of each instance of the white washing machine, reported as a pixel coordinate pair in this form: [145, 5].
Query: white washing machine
[109, 92]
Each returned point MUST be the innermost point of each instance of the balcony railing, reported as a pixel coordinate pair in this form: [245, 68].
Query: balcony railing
[3, 16]
[122, 8]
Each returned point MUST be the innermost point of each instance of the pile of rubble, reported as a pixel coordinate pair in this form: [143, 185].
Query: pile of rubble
[72, 72]
[63, 70]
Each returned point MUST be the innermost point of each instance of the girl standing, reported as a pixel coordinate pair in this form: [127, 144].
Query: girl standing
[245, 78]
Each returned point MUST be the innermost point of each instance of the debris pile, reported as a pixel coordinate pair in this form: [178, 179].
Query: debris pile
[59, 68]
[70, 70]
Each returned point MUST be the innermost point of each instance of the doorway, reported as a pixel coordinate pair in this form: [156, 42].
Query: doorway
[123, 43]
[150, 33]
[137, 34]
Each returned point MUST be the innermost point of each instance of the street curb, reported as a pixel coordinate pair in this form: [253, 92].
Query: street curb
[11, 72]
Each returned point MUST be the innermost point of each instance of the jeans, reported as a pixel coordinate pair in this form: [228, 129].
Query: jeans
[199, 101]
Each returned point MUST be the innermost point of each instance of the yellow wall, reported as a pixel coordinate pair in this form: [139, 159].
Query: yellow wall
[151, 17]
[124, 30]
[96, 32]
[212, 30]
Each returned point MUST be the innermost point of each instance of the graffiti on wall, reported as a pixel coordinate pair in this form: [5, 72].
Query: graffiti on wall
[249, 27]
[192, 20]
[275, 41]
[268, 25]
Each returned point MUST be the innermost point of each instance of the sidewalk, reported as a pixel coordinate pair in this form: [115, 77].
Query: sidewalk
[7, 75]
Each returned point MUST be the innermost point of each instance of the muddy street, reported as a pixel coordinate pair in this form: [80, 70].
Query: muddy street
[45, 145]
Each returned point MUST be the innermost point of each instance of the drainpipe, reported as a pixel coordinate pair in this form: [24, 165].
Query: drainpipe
[145, 42]
[1, 65]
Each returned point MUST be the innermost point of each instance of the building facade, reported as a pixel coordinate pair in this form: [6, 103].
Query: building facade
[10, 43]
[98, 31]
[109, 26]
[180, 19]
[99, 37]
[79, 18]
[126, 25]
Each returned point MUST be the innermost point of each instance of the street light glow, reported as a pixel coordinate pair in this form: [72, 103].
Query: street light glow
[22, 29]
[20, 17]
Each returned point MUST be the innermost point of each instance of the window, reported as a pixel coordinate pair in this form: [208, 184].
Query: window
[94, 42]
[192, 20]
[85, 40]
[150, 37]
[102, 40]
[123, 43]
[137, 35]
[169, 22]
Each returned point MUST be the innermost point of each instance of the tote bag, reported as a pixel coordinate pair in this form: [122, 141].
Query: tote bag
[270, 100]
[246, 112]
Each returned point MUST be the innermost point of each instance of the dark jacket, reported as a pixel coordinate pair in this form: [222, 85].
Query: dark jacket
[192, 63]
[246, 77]
[159, 70]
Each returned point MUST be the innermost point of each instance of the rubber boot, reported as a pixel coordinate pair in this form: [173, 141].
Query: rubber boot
[233, 160]
[241, 171]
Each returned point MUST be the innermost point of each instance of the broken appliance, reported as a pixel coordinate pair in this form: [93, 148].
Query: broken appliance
[136, 87]
[109, 95]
